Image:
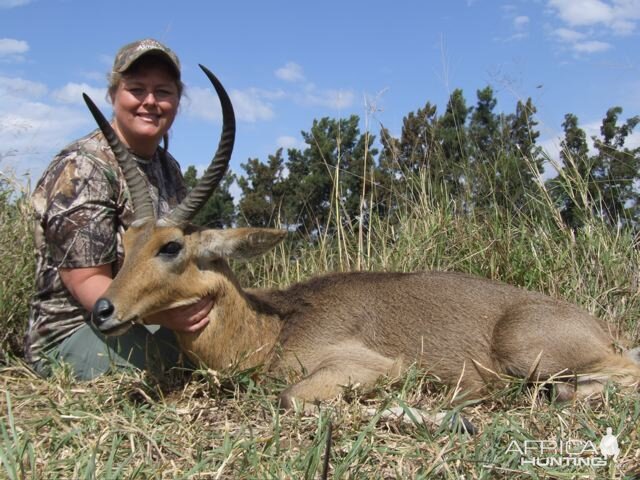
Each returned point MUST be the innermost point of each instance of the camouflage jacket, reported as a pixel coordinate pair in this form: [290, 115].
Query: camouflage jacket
[82, 208]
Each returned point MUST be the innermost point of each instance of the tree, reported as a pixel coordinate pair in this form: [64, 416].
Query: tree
[484, 148]
[416, 148]
[519, 160]
[219, 210]
[452, 136]
[190, 177]
[523, 134]
[483, 126]
[616, 167]
[263, 192]
[330, 171]
[572, 189]
[414, 156]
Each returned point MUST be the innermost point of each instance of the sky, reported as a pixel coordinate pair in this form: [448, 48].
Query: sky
[286, 63]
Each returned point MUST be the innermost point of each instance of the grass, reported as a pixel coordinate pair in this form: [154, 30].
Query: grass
[127, 426]
[209, 425]
[17, 266]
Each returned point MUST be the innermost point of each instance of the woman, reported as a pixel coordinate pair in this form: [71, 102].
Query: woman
[82, 209]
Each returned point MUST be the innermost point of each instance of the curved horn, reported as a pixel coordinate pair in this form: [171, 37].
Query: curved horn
[142, 205]
[197, 197]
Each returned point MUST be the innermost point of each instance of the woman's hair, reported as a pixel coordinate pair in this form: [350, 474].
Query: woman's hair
[147, 61]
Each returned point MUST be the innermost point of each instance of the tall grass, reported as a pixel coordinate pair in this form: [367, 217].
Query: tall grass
[225, 425]
[17, 264]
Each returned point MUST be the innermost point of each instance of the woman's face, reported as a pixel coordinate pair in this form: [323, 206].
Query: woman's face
[145, 104]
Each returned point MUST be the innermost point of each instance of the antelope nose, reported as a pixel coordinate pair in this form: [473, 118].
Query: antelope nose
[102, 311]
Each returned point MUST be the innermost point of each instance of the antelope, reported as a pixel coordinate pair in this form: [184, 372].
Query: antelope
[344, 328]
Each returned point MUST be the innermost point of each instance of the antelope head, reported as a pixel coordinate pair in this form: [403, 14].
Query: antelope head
[168, 261]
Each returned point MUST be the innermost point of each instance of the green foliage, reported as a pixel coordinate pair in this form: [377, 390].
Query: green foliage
[452, 135]
[616, 167]
[219, 210]
[331, 175]
[417, 148]
[604, 184]
[263, 191]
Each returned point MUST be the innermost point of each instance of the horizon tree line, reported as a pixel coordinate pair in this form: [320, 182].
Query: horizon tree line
[472, 156]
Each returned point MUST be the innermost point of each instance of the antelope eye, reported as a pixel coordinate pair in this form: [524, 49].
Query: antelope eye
[170, 249]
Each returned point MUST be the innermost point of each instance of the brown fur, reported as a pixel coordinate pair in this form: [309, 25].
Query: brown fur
[348, 328]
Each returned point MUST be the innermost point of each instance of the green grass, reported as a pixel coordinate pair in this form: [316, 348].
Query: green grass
[226, 425]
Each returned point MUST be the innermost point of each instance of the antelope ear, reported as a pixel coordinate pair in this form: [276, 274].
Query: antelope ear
[240, 243]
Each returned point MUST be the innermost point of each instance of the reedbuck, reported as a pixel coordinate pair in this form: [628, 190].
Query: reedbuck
[345, 328]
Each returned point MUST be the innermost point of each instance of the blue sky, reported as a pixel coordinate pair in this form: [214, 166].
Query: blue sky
[288, 62]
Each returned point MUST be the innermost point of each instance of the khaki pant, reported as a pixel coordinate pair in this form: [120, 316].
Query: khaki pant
[90, 354]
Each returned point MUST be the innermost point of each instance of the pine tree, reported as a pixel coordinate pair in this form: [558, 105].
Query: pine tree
[616, 167]
[415, 149]
[483, 125]
[485, 148]
[520, 161]
[263, 191]
[190, 177]
[219, 211]
[573, 188]
[523, 134]
[414, 156]
[451, 134]
[329, 171]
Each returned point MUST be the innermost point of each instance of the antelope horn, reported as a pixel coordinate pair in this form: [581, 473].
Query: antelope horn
[142, 205]
[197, 197]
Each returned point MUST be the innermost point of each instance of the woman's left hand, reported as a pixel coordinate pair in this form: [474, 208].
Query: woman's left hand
[187, 319]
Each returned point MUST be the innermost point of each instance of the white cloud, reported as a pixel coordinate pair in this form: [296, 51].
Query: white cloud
[587, 24]
[13, 3]
[32, 132]
[331, 98]
[201, 103]
[254, 105]
[12, 49]
[618, 16]
[582, 12]
[519, 24]
[633, 140]
[71, 94]
[32, 128]
[592, 46]
[567, 35]
[250, 105]
[291, 72]
[579, 42]
[19, 87]
[287, 142]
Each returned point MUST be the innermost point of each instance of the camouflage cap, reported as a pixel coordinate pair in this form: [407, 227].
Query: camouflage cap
[131, 52]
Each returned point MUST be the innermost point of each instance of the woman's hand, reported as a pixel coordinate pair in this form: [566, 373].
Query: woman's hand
[188, 319]
[89, 284]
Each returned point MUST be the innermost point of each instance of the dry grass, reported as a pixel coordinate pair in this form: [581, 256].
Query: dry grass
[17, 263]
[216, 426]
